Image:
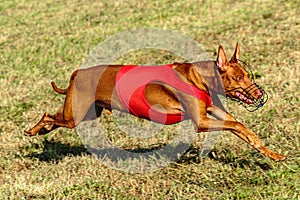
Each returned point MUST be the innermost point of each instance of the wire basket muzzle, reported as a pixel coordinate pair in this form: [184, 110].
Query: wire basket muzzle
[246, 98]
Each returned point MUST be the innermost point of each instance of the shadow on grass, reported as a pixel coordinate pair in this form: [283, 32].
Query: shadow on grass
[226, 158]
[55, 151]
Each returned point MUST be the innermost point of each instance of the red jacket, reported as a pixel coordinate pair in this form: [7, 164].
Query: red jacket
[131, 83]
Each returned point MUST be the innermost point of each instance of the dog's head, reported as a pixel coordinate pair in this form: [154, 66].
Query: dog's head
[238, 81]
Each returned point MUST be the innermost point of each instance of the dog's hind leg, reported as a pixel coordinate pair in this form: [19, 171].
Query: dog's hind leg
[74, 110]
[45, 125]
[48, 123]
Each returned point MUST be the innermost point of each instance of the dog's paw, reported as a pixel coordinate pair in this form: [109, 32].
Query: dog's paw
[271, 154]
[279, 157]
[275, 156]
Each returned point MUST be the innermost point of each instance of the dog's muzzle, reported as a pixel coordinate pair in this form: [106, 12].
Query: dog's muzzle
[245, 97]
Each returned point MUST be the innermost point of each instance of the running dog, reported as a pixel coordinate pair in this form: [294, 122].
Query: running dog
[165, 94]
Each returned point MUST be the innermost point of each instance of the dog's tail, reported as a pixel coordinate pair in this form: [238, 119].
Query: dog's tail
[58, 90]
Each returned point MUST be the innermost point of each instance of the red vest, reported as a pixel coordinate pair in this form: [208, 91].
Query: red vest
[131, 83]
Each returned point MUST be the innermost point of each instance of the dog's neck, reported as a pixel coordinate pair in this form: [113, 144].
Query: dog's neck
[209, 70]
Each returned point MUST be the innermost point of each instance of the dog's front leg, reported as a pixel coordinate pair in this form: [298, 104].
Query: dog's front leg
[241, 131]
[197, 111]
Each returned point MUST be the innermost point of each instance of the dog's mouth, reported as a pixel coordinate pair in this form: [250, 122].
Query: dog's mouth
[251, 98]
[244, 98]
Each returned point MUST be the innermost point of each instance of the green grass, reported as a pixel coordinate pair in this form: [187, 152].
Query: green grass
[46, 40]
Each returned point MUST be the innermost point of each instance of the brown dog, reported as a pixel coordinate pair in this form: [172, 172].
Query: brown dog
[94, 89]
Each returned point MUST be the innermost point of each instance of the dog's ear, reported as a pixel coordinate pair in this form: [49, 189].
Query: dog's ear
[222, 59]
[236, 55]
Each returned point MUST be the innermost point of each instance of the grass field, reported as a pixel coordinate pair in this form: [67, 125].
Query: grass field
[47, 40]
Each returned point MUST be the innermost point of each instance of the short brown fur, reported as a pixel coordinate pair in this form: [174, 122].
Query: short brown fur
[85, 83]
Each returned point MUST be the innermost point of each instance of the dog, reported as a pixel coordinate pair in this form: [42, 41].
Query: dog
[165, 94]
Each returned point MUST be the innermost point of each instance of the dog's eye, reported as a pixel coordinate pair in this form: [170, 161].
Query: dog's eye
[239, 78]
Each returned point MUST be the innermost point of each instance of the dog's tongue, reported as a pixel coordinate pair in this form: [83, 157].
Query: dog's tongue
[243, 98]
[248, 101]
